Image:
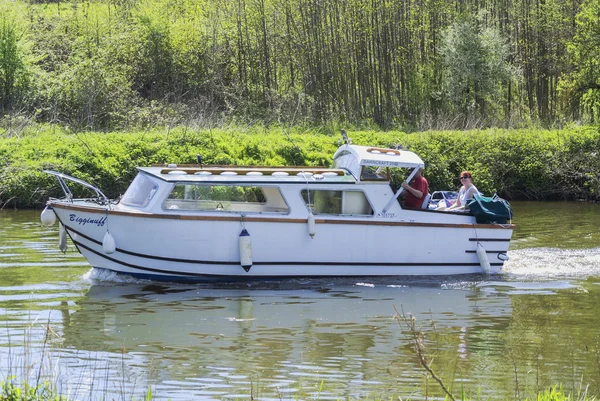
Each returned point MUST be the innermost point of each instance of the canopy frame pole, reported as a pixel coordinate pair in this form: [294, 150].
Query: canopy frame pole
[400, 190]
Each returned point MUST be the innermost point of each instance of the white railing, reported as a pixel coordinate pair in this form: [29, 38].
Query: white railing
[68, 194]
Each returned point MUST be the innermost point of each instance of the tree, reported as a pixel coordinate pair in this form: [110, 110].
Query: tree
[581, 88]
[475, 63]
[12, 68]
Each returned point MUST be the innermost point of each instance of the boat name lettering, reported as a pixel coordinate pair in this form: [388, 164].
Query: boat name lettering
[386, 215]
[82, 221]
[369, 162]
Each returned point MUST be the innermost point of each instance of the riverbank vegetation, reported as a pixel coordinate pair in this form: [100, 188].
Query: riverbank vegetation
[14, 393]
[161, 75]
[11, 391]
[415, 66]
[517, 164]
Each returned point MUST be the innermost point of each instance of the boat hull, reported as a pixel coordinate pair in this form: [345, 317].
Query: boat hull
[206, 247]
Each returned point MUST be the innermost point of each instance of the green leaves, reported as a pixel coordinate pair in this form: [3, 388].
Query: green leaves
[580, 90]
[475, 60]
[13, 73]
[518, 164]
[390, 64]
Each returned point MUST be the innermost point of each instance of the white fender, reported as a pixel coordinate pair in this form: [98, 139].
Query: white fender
[245, 250]
[62, 237]
[48, 217]
[108, 243]
[483, 259]
[311, 224]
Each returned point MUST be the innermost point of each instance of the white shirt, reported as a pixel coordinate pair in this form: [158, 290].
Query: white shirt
[463, 194]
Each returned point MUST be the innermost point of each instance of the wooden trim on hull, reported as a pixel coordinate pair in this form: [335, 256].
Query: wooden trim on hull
[247, 218]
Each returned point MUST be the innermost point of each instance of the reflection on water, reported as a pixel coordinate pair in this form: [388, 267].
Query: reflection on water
[556, 225]
[284, 337]
[101, 335]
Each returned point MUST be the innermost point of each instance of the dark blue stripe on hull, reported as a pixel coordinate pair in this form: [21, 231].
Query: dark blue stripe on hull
[191, 276]
[256, 263]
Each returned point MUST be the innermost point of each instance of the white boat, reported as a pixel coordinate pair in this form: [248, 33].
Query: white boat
[203, 222]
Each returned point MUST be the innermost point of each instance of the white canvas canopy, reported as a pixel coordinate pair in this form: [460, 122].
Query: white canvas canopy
[354, 157]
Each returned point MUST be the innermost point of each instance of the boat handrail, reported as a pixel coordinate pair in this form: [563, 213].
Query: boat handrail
[68, 194]
[193, 169]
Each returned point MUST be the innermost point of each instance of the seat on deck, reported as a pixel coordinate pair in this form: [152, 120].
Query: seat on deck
[425, 203]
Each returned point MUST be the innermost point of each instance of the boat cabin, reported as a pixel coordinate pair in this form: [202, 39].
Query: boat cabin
[347, 189]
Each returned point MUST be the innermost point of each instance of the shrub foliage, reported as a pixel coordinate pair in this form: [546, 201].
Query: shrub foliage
[519, 164]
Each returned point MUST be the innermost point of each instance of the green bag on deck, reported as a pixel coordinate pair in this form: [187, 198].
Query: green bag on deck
[490, 210]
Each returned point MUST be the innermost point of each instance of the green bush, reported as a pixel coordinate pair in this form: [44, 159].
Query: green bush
[517, 164]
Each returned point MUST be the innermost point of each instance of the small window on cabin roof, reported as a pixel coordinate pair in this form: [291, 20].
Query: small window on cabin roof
[342, 161]
[234, 198]
[343, 153]
[322, 201]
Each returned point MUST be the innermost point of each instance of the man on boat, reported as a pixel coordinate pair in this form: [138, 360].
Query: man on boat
[416, 191]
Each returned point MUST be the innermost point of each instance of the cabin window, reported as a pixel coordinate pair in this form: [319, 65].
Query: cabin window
[343, 160]
[370, 173]
[343, 153]
[234, 198]
[140, 192]
[337, 202]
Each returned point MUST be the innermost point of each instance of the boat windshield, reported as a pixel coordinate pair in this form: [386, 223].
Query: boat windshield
[140, 192]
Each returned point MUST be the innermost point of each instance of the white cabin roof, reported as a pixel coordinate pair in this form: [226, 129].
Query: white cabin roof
[354, 157]
[374, 156]
[348, 161]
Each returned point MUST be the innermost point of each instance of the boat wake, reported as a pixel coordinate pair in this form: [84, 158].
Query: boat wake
[553, 262]
[94, 276]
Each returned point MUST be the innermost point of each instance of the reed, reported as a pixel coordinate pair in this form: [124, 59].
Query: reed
[34, 374]
[418, 339]
[10, 391]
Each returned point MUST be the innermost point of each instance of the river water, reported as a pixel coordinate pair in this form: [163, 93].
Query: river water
[97, 335]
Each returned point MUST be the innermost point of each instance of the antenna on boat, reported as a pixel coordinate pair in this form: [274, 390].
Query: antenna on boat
[347, 140]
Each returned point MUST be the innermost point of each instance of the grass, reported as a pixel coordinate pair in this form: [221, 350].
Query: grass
[45, 392]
